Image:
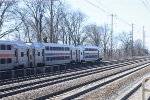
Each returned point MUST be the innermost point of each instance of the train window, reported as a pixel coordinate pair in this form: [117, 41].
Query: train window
[50, 48]
[50, 58]
[47, 59]
[65, 48]
[47, 48]
[2, 47]
[22, 54]
[81, 53]
[38, 53]
[62, 48]
[56, 48]
[60, 58]
[59, 48]
[9, 60]
[3, 61]
[8, 47]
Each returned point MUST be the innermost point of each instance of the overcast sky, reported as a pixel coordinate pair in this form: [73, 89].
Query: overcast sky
[130, 11]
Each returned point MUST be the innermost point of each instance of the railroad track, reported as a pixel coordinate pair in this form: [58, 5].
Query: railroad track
[84, 88]
[74, 69]
[135, 91]
[82, 66]
[13, 89]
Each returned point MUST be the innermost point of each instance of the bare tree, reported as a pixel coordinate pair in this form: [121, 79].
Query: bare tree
[105, 37]
[94, 34]
[70, 27]
[7, 16]
[138, 48]
[34, 11]
[124, 37]
[58, 15]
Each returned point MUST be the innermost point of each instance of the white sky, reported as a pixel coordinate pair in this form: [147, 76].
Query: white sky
[131, 11]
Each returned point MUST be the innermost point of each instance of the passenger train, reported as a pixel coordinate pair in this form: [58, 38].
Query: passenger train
[17, 54]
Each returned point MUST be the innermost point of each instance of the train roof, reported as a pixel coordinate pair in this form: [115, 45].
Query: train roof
[54, 44]
[87, 46]
[18, 43]
[37, 44]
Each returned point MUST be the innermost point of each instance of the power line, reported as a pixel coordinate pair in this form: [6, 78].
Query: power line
[145, 4]
[104, 6]
[99, 7]
[108, 11]
[123, 21]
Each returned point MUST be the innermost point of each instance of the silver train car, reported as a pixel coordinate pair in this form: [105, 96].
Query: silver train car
[17, 54]
[14, 55]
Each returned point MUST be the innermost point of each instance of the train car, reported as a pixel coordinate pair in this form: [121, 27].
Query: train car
[13, 54]
[59, 53]
[51, 53]
[88, 53]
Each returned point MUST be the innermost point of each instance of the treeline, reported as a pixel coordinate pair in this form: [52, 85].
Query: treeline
[56, 22]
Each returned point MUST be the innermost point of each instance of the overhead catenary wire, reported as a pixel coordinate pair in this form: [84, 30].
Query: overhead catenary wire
[98, 7]
[108, 11]
[100, 3]
[146, 4]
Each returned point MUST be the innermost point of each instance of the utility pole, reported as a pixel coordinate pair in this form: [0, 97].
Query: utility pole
[131, 36]
[111, 36]
[143, 40]
[52, 32]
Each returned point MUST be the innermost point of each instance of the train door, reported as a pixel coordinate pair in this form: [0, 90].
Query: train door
[43, 55]
[16, 55]
[28, 57]
[34, 57]
[77, 55]
[71, 54]
[98, 54]
[83, 54]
